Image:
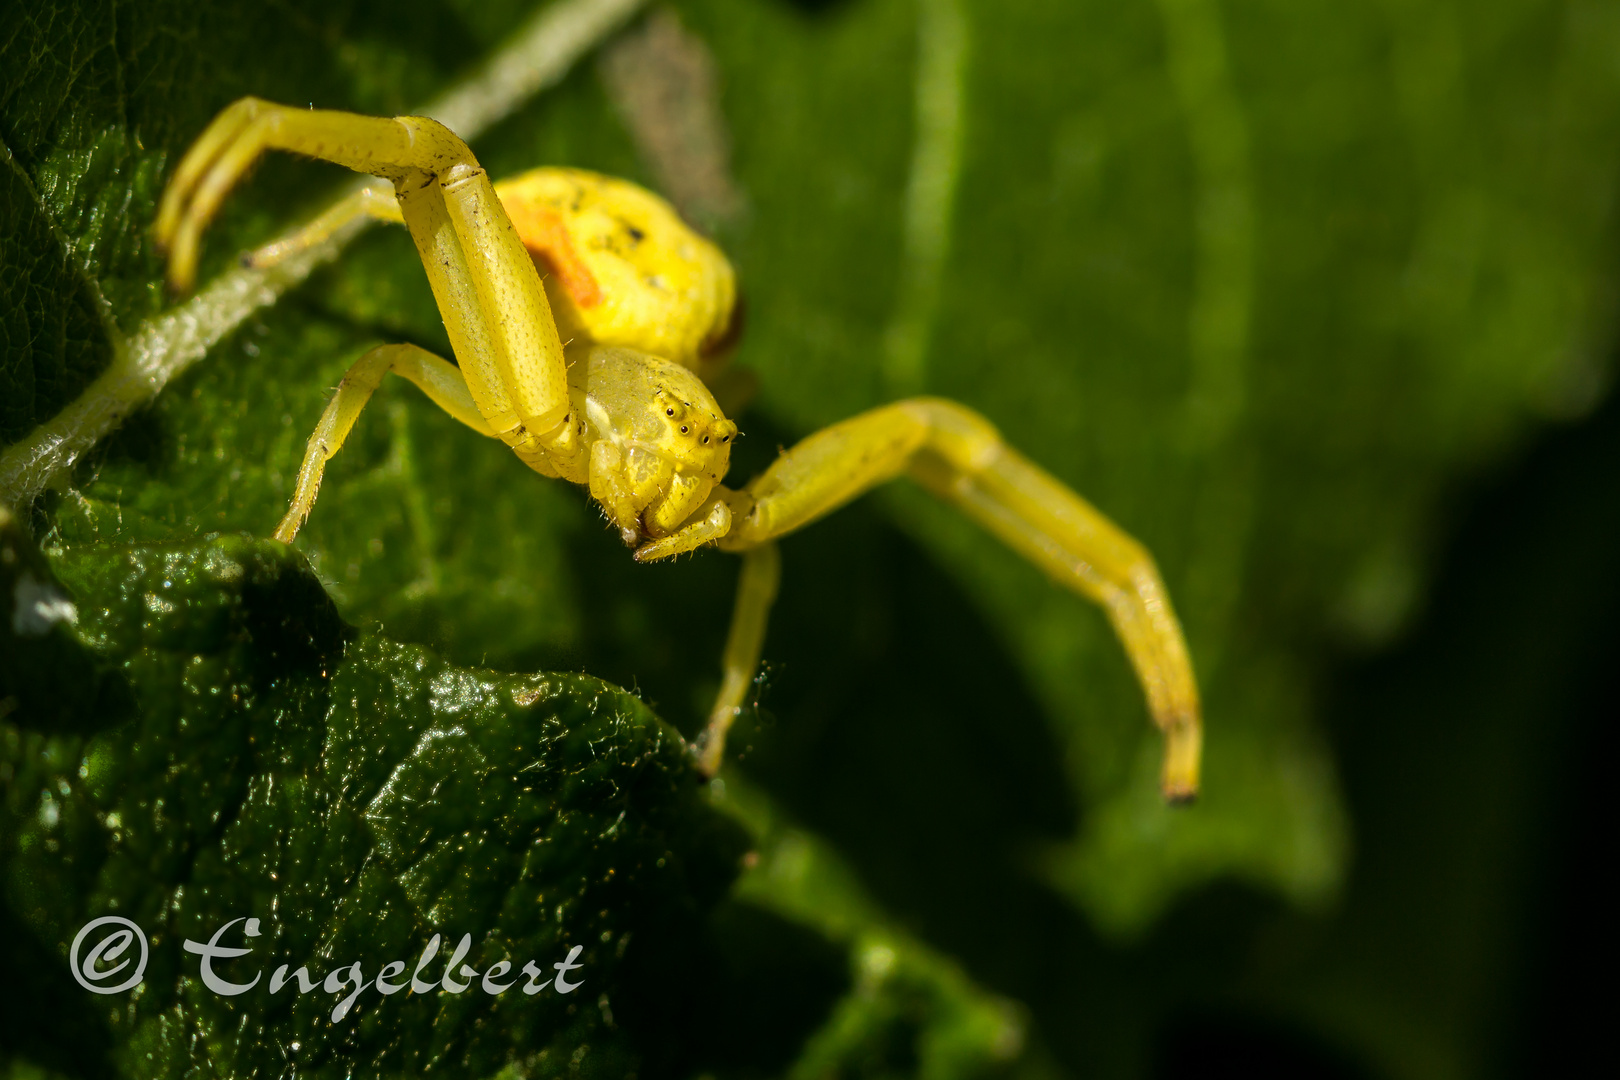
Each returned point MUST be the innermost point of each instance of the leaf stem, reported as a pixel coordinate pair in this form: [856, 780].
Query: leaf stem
[936, 165]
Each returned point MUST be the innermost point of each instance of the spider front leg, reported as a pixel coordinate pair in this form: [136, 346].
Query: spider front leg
[439, 379]
[367, 201]
[488, 292]
[960, 456]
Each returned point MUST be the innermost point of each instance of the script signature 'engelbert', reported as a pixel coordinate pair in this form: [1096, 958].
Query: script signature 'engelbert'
[94, 976]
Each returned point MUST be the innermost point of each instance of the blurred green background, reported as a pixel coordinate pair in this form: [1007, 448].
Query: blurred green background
[1317, 300]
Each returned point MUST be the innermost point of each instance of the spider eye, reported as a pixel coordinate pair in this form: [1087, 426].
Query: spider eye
[683, 429]
[669, 412]
[705, 438]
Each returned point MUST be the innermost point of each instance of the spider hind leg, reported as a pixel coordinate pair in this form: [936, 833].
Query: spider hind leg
[959, 456]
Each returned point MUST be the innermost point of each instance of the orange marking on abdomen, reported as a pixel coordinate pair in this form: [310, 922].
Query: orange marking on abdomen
[546, 236]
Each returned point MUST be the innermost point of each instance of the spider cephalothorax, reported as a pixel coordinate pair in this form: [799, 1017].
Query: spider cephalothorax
[659, 442]
[643, 302]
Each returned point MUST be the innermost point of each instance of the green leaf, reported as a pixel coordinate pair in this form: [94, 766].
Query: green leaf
[260, 755]
[54, 341]
[1259, 281]
[357, 797]
[1263, 282]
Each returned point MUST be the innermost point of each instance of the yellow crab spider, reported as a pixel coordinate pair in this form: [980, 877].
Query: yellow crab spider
[644, 303]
